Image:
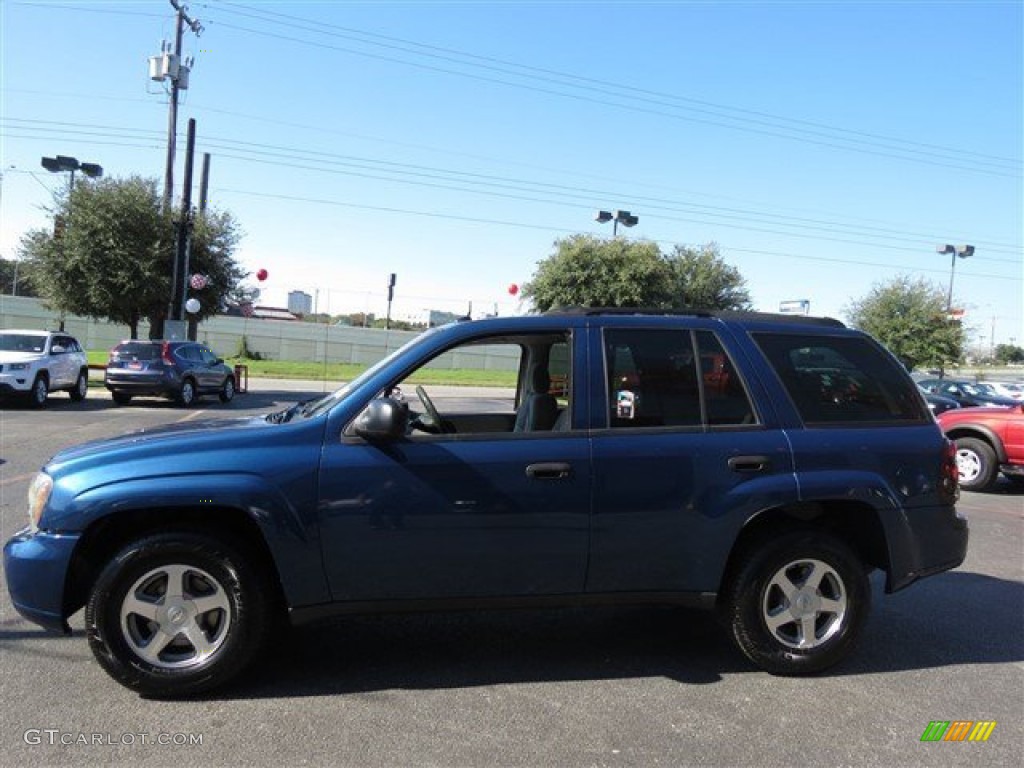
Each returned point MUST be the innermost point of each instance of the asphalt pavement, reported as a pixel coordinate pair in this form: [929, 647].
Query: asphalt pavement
[599, 687]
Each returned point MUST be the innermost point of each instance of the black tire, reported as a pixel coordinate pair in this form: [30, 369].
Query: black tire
[199, 650]
[39, 392]
[81, 388]
[187, 393]
[121, 398]
[976, 463]
[227, 392]
[814, 627]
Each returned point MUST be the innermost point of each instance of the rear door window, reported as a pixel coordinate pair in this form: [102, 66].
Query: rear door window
[841, 379]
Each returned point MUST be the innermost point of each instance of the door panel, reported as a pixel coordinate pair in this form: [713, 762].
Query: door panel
[442, 518]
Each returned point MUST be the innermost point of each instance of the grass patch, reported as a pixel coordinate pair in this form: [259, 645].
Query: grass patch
[339, 372]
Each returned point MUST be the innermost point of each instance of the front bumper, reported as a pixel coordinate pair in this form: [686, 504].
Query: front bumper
[36, 566]
[19, 383]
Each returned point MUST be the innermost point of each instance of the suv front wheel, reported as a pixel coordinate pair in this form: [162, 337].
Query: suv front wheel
[39, 392]
[175, 614]
[976, 463]
[797, 603]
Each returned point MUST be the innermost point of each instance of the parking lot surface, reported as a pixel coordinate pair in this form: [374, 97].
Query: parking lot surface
[597, 687]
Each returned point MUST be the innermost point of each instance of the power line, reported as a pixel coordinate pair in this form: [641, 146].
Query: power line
[555, 194]
[606, 87]
[990, 245]
[358, 34]
[545, 228]
[803, 133]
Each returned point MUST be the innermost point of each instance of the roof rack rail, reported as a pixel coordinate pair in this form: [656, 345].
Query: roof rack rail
[725, 314]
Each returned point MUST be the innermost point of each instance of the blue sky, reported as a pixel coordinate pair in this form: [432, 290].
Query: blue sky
[826, 147]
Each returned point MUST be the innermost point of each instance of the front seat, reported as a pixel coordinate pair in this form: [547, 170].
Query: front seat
[539, 408]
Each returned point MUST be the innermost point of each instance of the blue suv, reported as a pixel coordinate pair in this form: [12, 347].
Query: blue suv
[757, 465]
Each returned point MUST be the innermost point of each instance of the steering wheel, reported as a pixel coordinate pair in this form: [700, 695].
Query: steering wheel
[428, 406]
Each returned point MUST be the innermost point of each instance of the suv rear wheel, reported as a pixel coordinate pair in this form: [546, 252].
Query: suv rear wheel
[175, 614]
[797, 603]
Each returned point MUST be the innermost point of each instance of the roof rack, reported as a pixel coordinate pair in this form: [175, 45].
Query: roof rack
[724, 314]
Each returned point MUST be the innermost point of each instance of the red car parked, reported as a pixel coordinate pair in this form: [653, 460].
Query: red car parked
[988, 441]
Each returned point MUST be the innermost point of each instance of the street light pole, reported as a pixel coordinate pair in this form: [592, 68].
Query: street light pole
[60, 164]
[963, 251]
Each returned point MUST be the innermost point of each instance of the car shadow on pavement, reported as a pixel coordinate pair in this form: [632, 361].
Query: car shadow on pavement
[956, 618]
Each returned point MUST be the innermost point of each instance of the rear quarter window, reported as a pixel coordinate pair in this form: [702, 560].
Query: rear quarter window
[842, 379]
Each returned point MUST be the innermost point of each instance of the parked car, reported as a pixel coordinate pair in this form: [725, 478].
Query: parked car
[177, 370]
[988, 441]
[35, 363]
[1013, 389]
[768, 496]
[968, 393]
[937, 403]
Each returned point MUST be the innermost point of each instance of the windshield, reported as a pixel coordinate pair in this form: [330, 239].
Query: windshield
[325, 403]
[22, 342]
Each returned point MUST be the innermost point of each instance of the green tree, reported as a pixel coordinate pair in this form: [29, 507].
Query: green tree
[701, 279]
[110, 254]
[908, 315]
[586, 271]
[16, 279]
[1009, 353]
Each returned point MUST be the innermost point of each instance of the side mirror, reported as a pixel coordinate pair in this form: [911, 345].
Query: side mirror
[383, 419]
[219, 361]
[57, 349]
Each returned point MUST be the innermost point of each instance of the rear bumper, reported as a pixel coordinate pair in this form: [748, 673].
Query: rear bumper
[36, 566]
[142, 385]
[933, 540]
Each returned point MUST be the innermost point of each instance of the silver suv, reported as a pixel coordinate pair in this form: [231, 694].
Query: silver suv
[35, 363]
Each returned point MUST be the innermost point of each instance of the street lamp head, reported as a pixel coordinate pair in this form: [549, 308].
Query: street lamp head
[92, 170]
[603, 216]
[963, 251]
[68, 163]
[947, 248]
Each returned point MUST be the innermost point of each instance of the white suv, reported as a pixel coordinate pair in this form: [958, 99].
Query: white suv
[33, 363]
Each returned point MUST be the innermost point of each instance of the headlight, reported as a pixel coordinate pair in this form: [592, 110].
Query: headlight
[18, 366]
[38, 495]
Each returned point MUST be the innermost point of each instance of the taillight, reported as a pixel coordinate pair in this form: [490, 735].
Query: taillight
[165, 354]
[950, 473]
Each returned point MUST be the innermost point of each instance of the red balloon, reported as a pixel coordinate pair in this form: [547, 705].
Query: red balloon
[261, 275]
[513, 289]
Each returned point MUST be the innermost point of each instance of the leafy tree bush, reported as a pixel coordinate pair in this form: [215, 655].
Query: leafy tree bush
[909, 316]
[587, 271]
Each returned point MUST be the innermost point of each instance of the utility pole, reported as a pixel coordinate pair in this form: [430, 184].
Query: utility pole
[169, 66]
